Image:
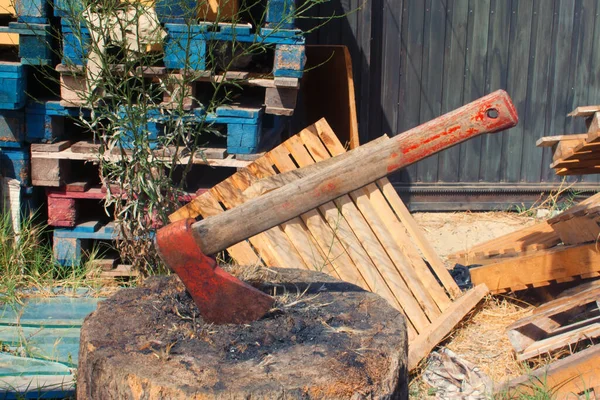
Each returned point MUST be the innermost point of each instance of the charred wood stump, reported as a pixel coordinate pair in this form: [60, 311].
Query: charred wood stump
[324, 339]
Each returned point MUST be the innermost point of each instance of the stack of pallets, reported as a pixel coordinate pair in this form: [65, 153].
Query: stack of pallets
[44, 147]
[577, 154]
[25, 50]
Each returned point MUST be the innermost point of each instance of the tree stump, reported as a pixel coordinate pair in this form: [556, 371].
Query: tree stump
[324, 339]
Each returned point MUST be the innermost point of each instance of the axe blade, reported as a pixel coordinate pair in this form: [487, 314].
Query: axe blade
[220, 297]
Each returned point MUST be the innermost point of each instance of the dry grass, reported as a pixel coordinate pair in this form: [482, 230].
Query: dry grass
[483, 341]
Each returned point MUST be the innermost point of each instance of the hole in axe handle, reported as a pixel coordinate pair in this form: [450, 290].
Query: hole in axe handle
[492, 113]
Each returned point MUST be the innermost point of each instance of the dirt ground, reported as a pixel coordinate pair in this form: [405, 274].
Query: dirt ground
[481, 339]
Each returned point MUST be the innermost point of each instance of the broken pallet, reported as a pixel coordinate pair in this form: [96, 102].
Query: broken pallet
[572, 318]
[577, 154]
[367, 237]
[569, 377]
[561, 249]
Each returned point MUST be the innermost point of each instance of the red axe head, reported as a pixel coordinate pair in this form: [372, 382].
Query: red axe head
[221, 297]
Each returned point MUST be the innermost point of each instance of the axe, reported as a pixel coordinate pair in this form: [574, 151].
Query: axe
[186, 245]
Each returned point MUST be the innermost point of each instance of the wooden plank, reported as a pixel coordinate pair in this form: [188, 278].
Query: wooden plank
[584, 111]
[226, 194]
[474, 87]
[328, 137]
[432, 79]
[577, 230]
[577, 164]
[578, 171]
[323, 130]
[336, 221]
[68, 154]
[48, 172]
[120, 271]
[437, 331]
[568, 376]
[384, 262]
[537, 89]
[417, 234]
[454, 71]
[554, 343]
[77, 186]
[550, 316]
[414, 270]
[331, 73]
[582, 151]
[388, 267]
[295, 229]
[519, 241]
[367, 253]
[50, 147]
[497, 77]
[518, 66]
[540, 266]
[273, 242]
[9, 39]
[549, 141]
[411, 90]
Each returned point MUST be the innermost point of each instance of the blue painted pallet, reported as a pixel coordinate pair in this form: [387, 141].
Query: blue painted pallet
[68, 8]
[13, 85]
[76, 43]
[279, 13]
[12, 129]
[69, 243]
[176, 12]
[45, 121]
[29, 378]
[246, 127]
[35, 42]
[186, 46]
[32, 11]
[15, 162]
[150, 130]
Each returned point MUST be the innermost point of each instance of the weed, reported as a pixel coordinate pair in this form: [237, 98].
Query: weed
[27, 262]
[555, 202]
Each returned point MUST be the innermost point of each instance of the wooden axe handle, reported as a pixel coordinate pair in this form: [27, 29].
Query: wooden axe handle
[353, 170]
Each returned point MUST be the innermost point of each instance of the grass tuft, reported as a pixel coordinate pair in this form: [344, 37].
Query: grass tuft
[27, 263]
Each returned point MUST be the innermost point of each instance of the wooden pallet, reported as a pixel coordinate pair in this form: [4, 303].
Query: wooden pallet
[579, 224]
[278, 94]
[51, 163]
[571, 319]
[536, 237]
[367, 237]
[109, 269]
[577, 154]
[575, 376]
[576, 225]
[539, 268]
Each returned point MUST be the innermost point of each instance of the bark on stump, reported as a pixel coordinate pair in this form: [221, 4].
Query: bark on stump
[324, 339]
